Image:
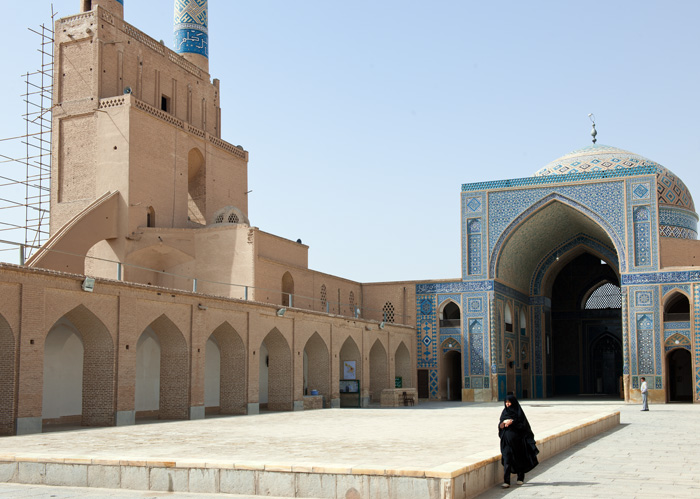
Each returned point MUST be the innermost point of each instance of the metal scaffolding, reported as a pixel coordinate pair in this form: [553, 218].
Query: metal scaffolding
[25, 160]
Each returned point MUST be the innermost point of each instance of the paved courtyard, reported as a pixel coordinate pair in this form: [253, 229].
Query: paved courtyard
[425, 436]
[652, 454]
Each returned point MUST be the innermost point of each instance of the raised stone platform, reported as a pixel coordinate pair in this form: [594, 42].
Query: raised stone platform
[435, 450]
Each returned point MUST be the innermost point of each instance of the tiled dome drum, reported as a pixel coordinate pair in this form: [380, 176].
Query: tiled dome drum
[677, 217]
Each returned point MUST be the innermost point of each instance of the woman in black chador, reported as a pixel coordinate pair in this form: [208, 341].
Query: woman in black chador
[518, 449]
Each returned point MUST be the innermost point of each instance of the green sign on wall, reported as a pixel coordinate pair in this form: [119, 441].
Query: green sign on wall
[398, 382]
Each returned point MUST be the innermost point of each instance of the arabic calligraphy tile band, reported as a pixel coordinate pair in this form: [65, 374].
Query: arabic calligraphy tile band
[191, 27]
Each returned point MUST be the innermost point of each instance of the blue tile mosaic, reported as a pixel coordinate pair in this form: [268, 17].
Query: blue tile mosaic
[683, 276]
[191, 27]
[602, 203]
[558, 179]
[667, 288]
[433, 383]
[454, 297]
[454, 287]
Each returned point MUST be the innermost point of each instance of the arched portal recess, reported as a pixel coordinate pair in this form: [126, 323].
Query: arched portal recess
[287, 289]
[586, 344]
[78, 383]
[162, 372]
[7, 379]
[224, 378]
[402, 366]
[450, 378]
[317, 369]
[350, 368]
[557, 251]
[276, 372]
[378, 371]
[679, 375]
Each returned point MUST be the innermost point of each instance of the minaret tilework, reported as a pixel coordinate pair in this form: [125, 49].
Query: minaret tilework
[191, 33]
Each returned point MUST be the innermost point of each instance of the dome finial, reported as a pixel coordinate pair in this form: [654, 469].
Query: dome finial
[593, 132]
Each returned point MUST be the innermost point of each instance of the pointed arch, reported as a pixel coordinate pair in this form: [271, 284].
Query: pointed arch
[196, 186]
[562, 254]
[8, 378]
[402, 365]
[450, 314]
[547, 210]
[163, 368]
[317, 370]
[676, 306]
[79, 370]
[228, 383]
[378, 371]
[350, 353]
[280, 375]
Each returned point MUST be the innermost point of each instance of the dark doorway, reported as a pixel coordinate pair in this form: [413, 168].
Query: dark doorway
[586, 353]
[423, 384]
[451, 383]
[679, 376]
[606, 363]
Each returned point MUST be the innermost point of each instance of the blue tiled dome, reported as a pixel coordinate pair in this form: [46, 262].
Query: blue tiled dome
[671, 189]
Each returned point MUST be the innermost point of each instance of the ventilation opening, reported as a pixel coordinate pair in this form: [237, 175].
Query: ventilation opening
[165, 103]
[606, 296]
[87, 5]
[388, 312]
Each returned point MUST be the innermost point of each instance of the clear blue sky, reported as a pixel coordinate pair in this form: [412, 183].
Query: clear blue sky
[364, 118]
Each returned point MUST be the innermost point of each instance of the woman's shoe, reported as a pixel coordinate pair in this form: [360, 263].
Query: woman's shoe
[519, 482]
[505, 485]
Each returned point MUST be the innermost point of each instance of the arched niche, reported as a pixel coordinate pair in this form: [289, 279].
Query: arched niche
[378, 371]
[277, 362]
[225, 372]
[317, 369]
[162, 372]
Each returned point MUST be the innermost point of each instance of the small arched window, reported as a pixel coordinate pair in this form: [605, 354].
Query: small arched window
[677, 308]
[451, 315]
[508, 319]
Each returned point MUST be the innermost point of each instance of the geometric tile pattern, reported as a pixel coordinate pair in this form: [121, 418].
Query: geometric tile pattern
[433, 383]
[645, 339]
[696, 300]
[678, 217]
[665, 289]
[474, 243]
[455, 298]
[677, 340]
[472, 247]
[426, 331]
[642, 230]
[191, 31]
[670, 189]
[625, 334]
[677, 232]
[603, 202]
[642, 239]
[642, 190]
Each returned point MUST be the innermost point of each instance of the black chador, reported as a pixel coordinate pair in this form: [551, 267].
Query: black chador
[518, 449]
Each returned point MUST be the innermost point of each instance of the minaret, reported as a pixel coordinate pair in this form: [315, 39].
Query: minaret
[116, 7]
[191, 33]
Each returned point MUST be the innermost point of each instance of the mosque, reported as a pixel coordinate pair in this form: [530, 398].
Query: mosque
[155, 297]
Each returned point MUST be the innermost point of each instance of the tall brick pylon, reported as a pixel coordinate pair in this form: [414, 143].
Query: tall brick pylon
[191, 31]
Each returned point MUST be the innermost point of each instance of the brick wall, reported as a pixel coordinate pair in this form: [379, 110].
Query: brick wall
[378, 371]
[7, 379]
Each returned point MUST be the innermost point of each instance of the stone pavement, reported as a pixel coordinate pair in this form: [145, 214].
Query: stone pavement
[373, 442]
[651, 454]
